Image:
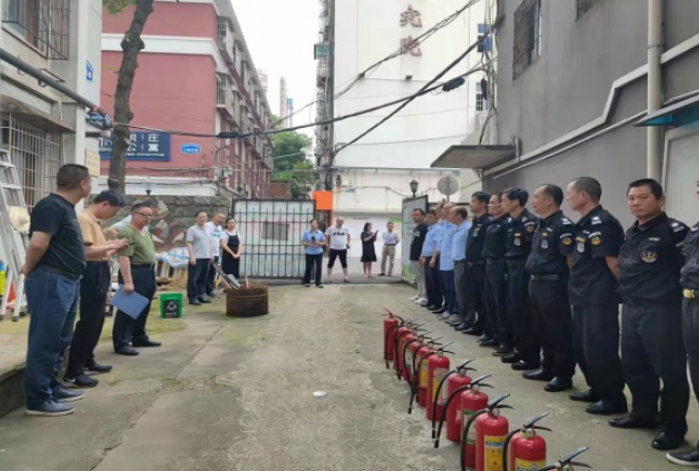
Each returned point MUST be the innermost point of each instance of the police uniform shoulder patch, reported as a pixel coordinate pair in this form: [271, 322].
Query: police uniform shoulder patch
[695, 228]
[530, 226]
[678, 226]
[544, 244]
[596, 220]
[566, 222]
[566, 239]
[649, 256]
[596, 238]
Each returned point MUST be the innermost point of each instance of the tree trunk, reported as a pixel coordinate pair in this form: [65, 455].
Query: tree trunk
[132, 44]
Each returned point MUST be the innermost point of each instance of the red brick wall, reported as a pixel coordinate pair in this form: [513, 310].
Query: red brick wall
[280, 190]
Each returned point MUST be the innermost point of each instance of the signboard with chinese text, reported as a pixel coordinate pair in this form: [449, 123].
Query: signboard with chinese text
[145, 145]
[92, 162]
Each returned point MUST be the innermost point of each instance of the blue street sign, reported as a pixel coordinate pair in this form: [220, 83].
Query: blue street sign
[190, 149]
[145, 145]
[90, 72]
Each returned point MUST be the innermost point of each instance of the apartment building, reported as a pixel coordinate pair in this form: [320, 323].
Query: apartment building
[195, 75]
[40, 128]
[574, 99]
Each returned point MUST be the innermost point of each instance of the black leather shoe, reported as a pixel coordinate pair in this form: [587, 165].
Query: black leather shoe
[461, 327]
[558, 385]
[607, 407]
[432, 308]
[524, 366]
[472, 331]
[205, 299]
[538, 375]
[503, 352]
[97, 368]
[685, 458]
[147, 343]
[128, 351]
[630, 422]
[666, 440]
[511, 359]
[488, 343]
[440, 310]
[585, 396]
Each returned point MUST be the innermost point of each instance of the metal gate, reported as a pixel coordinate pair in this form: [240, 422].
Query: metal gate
[409, 204]
[271, 231]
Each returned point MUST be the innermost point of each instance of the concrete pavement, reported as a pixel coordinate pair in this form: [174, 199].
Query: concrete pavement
[237, 394]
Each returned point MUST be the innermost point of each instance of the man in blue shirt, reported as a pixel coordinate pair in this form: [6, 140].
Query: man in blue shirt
[442, 259]
[432, 275]
[314, 241]
[459, 217]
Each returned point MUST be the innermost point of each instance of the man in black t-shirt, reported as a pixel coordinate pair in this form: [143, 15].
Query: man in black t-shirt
[418, 239]
[54, 264]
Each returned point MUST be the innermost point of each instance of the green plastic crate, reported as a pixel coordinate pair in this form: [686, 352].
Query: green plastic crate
[171, 305]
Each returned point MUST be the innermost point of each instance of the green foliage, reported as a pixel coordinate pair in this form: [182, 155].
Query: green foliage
[288, 150]
[302, 177]
[117, 6]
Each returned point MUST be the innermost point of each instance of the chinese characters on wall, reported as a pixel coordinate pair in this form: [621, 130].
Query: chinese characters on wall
[153, 146]
[414, 19]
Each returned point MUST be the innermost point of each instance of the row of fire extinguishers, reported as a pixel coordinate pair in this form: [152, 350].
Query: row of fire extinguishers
[472, 420]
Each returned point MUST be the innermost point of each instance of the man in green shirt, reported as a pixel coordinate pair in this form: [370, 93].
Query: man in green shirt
[136, 273]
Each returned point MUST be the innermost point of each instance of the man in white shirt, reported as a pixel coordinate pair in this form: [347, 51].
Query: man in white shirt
[215, 230]
[338, 241]
[390, 240]
[201, 254]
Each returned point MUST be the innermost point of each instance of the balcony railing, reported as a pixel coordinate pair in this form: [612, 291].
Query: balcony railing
[224, 95]
[225, 40]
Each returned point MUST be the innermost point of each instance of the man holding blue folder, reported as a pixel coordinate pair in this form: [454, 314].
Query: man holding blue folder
[136, 274]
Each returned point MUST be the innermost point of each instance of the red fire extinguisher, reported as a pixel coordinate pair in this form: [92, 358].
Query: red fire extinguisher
[390, 324]
[492, 429]
[437, 370]
[409, 352]
[440, 388]
[527, 449]
[400, 330]
[566, 462]
[467, 394]
[421, 376]
[404, 334]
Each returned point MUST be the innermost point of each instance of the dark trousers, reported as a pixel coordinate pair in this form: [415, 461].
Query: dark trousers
[433, 284]
[94, 287]
[211, 276]
[596, 344]
[518, 318]
[475, 307]
[127, 329]
[650, 352]
[52, 300]
[552, 322]
[314, 263]
[461, 287]
[495, 295]
[196, 278]
[690, 331]
[448, 291]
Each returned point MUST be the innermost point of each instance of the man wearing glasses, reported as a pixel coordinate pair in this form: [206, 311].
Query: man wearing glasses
[136, 273]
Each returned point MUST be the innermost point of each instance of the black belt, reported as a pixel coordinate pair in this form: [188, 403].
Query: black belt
[496, 260]
[101, 262]
[547, 278]
[143, 266]
[480, 262]
[58, 271]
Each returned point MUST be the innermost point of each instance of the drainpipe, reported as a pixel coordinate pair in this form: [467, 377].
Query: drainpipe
[655, 87]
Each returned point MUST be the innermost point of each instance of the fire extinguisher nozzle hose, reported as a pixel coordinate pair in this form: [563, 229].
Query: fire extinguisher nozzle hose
[436, 399]
[456, 392]
[505, 446]
[464, 436]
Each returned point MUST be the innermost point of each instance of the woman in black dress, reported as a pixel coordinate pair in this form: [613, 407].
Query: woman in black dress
[368, 249]
[231, 246]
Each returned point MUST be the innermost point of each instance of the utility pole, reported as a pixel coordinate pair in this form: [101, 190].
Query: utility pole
[655, 88]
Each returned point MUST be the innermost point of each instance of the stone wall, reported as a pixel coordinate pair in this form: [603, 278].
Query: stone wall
[175, 214]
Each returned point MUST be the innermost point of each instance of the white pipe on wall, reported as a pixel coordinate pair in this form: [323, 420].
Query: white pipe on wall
[655, 87]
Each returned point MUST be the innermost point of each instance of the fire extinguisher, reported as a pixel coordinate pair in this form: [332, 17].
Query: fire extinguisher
[466, 393]
[566, 462]
[492, 429]
[398, 331]
[421, 376]
[437, 370]
[399, 343]
[436, 389]
[527, 448]
[404, 339]
[409, 352]
[389, 325]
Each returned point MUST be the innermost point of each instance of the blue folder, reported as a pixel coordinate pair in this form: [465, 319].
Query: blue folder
[131, 304]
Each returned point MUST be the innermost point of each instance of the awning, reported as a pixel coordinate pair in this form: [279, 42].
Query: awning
[474, 156]
[677, 115]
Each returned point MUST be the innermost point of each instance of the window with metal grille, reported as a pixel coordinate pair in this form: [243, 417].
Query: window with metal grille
[480, 105]
[527, 36]
[583, 6]
[36, 152]
[275, 231]
[45, 24]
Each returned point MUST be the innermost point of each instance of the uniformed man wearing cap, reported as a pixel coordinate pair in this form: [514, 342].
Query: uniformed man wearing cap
[649, 282]
[593, 295]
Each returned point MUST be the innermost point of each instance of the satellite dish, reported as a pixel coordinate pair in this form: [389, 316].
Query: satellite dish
[448, 185]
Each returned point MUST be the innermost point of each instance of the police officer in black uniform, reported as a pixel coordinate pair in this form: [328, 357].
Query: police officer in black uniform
[593, 296]
[494, 250]
[547, 265]
[519, 238]
[649, 282]
[475, 263]
[689, 279]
